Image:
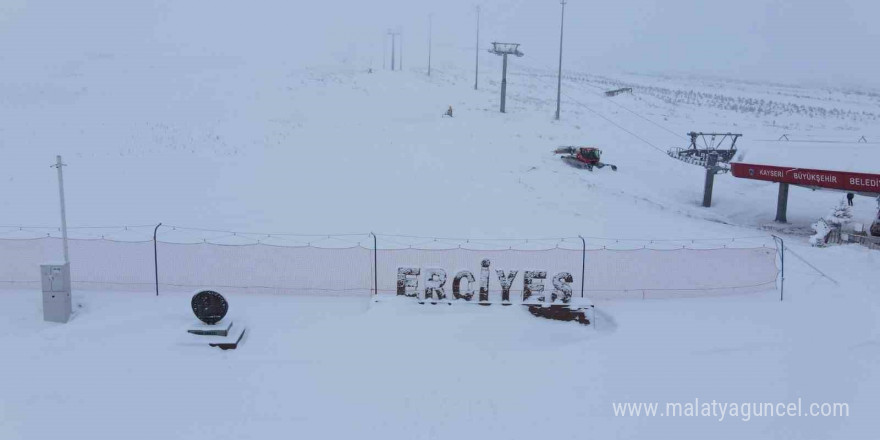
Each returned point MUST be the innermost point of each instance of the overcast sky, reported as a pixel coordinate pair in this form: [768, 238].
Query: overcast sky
[793, 40]
[827, 42]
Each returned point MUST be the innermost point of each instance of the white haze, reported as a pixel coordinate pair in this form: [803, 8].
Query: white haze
[828, 43]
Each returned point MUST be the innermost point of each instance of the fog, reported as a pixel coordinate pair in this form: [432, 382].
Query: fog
[829, 43]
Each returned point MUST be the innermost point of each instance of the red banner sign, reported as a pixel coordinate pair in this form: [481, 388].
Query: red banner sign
[840, 180]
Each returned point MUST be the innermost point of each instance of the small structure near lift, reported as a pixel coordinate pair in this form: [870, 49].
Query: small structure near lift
[714, 155]
[505, 49]
[612, 93]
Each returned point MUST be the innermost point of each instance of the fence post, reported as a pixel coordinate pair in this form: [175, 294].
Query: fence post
[583, 264]
[780, 246]
[156, 258]
[375, 267]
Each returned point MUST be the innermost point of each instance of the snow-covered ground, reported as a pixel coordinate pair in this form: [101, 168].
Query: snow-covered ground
[216, 144]
[342, 367]
[262, 143]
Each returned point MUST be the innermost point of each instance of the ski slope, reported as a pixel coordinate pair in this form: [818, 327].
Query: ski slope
[302, 150]
[218, 129]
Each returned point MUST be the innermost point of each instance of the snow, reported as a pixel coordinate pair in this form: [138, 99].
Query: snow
[268, 154]
[333, 367]
[822, 230]
[223, 132]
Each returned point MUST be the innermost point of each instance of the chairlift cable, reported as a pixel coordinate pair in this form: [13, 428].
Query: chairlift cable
[615, 124]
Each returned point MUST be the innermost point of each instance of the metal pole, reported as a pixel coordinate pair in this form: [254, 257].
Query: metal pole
[711, 170]
[583, 264]
[58, 165]
[782, 203]
[375, 267]
[430, 31]
[477, 68]
[156, 258]
[707, 187]
[781, 244]
[503, 82]
[559, 76]
[393, 50]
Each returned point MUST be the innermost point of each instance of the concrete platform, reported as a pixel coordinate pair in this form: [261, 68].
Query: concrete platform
[233, 337]
[222, 328]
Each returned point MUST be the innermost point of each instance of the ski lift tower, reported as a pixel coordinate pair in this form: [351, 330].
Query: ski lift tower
[505, 49]
[714, 155]
[394, 35]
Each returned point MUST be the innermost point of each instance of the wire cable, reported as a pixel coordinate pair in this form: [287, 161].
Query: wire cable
[615, 124]
[646, 119]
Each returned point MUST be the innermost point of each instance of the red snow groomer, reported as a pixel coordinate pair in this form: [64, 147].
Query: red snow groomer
[583, 157]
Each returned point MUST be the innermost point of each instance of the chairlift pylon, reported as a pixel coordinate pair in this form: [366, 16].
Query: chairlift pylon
[712, 155]
[714, 159]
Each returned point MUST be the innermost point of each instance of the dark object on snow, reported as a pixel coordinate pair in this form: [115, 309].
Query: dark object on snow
[229, 345]
[448, 112]
[560, 313]
[849, 198]
[875, 227]
[619, 91]
[209, 306]
[583, 157]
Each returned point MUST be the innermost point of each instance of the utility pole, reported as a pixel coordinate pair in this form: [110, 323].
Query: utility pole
[430, 31]
[393, 46]
[477, 50]
[503, 82]
[559, 75]
[59, 165]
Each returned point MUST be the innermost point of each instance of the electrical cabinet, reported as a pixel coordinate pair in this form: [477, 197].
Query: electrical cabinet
[56, 292]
